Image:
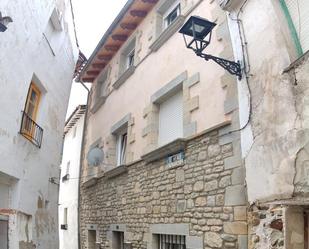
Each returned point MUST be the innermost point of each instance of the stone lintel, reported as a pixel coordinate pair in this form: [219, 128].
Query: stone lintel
[169, 89]
[121, 124]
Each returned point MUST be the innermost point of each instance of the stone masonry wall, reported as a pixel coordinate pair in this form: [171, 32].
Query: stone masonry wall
[151, 193]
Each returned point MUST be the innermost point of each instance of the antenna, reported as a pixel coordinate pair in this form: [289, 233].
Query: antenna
[95, 156]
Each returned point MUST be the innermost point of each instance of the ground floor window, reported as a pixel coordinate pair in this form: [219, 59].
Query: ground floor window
[167, 241]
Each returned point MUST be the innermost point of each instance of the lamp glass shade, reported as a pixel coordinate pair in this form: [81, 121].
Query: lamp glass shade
[197, 27]
[2, 27]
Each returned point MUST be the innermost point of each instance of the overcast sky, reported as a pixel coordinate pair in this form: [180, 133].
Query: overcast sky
[92, 19]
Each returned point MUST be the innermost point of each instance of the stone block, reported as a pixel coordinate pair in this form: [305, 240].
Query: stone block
[202, 155]
[211, 201]
[193, 104]
[194, 79]
[236, 228]
[189, 129]
[242, 242]
[212, 185]
[200, 202]
[181, 206]
[238, 176]
[198, 186]
[213, 150]
[194, 242]
[180, 175]
[213, 239]
[233, 161]
[225, 181]
[235, 195]
[240, 213]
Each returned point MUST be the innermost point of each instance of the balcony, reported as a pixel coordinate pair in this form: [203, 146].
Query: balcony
[31, 130]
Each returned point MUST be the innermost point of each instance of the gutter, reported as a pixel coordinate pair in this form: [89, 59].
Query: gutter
[106, 36]
[80, 163]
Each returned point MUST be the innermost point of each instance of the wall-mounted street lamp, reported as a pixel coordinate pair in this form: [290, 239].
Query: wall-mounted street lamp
[200, 29]
[4, 21]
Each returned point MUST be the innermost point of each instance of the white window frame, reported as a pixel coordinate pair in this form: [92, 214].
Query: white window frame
[175, 6]
[122, 140]
[65, 216]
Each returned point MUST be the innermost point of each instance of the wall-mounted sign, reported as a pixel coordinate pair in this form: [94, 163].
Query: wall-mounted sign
[176, 159]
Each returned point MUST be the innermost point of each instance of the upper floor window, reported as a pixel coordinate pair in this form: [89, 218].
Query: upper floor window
[118, 240]
[171, 14]
[121, 147]
[130, 58]
[127, 59]
[29, 128]
[298, 19]
[171, 119]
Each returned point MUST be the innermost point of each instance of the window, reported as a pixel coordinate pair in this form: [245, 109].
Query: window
[127, 59]
[33, 100]
[171, 119]
[298, 18]
[29, 128]
[167, 241]
[130, 59]
[171, 15]
[65, 216]
[67, 172]
[118, 240]
[121, 147]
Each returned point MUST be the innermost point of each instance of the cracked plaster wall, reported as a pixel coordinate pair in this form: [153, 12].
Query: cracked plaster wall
[276, 156]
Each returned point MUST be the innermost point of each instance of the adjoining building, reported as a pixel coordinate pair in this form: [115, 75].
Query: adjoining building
[69, 179]
[193, 156]
[37, 61]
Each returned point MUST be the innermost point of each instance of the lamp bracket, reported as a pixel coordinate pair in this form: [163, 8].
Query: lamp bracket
[231, 66]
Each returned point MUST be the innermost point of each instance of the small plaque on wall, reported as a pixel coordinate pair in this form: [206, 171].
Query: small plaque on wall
[175, 160]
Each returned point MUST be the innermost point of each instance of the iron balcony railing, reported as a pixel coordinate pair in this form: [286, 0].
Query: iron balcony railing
[31, 130]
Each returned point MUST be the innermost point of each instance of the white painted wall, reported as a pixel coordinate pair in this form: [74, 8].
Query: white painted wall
[26, 55]
[68, 195]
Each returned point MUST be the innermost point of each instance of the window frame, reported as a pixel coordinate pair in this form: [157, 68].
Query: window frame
[174, 7]
[130, 58]
[121, 147]
[33, 88]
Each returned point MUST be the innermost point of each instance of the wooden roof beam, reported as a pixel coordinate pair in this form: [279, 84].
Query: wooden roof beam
[98, 65]
[138, 13]
[104, 57]
[129, 26]
[92, 72]
[119, 37]
[112, 48]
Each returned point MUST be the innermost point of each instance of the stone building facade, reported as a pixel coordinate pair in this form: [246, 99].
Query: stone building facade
[187, 186]
[37, 61]
[263, 117]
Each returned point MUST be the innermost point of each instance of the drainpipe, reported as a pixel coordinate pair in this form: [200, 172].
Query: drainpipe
[80, 162]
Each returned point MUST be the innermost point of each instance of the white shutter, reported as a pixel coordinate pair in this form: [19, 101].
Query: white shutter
[171, 119]
[299, 12]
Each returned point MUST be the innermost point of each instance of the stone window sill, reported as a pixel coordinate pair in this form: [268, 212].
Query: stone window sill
[167, 33]
[297, 62]
[119, 170]
[90, 182]
[165, 150]
[123, 77]
[98, 103]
